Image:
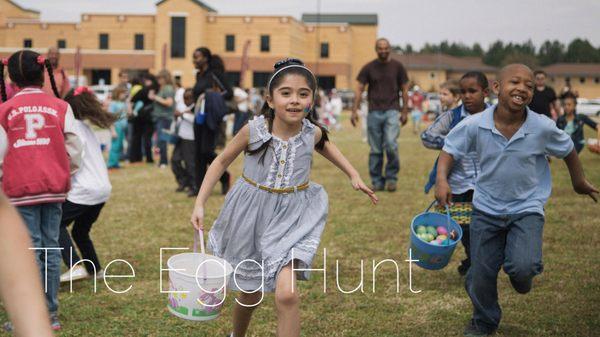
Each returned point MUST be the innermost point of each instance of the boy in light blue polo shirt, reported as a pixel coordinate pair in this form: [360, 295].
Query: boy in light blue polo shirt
[514, 183]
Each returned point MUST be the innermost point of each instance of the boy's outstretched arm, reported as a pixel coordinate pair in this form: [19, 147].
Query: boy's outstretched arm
[580, 184]
[443, 193]
[333, 154]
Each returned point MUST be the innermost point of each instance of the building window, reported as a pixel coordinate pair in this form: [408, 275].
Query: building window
[139, 42]
[597, 80]
[265, 45]
[233, 78]
[103, 41]
[178, 37]
[324, 50]
[260, 79]
[432, 75]
[229, 42]
[27, 43]
[582, 80]
[61, 44]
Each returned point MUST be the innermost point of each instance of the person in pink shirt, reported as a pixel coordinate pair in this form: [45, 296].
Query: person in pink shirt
[60, 76]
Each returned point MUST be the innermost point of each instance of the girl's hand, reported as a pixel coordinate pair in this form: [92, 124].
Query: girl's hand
[197, 219]
[359, 185]
[151, 95]
[584, 187]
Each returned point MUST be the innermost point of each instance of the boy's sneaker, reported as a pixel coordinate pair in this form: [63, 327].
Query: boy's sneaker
[76, 273]
[471, 330]
[391, 187]
[7, 327]
[100, 274]
[54, 322]
[376, 188]
[522, 287]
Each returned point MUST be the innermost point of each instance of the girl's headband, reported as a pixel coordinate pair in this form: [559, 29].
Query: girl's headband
[292, 66]
[41, 59]
[4, 61]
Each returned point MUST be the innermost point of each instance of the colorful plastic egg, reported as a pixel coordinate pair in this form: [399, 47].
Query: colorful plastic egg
[421, 229]
[442, 230]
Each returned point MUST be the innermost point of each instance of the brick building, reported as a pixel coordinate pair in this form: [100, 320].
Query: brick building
[335, 46]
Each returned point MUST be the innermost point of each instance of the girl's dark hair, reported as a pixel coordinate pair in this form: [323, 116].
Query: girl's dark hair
[482, 80]
[85, 105]
[151, 78]
[569, 95]
[2, 84]
[25, 70]
[215, 62]
[274, 82]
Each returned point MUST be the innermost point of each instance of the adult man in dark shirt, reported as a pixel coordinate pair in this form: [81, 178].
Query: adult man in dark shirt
[385, 78]
[544, 99]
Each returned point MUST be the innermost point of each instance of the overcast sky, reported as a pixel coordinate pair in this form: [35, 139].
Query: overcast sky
[402, 21]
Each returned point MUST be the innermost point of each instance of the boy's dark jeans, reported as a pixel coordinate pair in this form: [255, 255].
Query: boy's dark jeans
[513, 240]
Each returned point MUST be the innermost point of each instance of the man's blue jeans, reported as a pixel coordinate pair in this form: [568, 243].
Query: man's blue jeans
[514, 241]
[43, 223]
[383, 128]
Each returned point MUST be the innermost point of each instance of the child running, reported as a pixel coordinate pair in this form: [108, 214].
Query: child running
[183, 161]
[572, 122]
[273, 212]
[511, 143]
[38, 151]
[474, 89]
[90, 188]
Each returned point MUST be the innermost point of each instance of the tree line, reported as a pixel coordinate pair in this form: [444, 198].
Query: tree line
[500, 53]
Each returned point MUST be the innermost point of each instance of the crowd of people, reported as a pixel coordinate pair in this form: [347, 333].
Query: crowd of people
[53, 170]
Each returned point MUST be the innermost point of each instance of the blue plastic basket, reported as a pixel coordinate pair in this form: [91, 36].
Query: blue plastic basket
[430, 256]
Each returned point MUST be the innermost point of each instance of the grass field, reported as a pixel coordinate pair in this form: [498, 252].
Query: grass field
[145, 214]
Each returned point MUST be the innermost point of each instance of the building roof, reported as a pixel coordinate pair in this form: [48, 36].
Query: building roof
[573, 69]
[442, 62]
[353, 19]
[197, 2]
[23, 8]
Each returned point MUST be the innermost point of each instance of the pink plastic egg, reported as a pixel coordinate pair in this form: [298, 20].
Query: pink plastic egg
[442, 230]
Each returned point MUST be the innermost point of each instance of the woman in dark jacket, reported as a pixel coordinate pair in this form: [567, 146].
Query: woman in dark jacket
[208, 79]
[143, 127]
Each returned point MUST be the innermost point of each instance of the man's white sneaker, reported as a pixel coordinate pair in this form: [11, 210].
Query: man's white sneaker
[76, 273]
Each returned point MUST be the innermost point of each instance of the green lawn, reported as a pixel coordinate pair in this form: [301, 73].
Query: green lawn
[145, 214]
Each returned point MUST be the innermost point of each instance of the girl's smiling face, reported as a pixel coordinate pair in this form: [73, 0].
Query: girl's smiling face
[292, 99]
